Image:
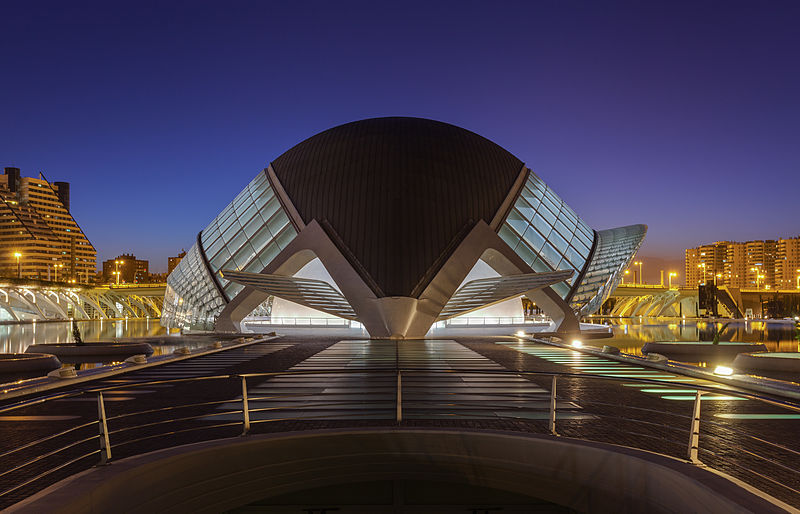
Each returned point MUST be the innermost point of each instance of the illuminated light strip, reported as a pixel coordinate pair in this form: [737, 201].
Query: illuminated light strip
[679, 379]
[591, 365]
[618, 375]
[757, 416]
[667, 390]
[704, 397]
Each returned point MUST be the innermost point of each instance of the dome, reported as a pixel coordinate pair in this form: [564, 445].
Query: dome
[397, 194]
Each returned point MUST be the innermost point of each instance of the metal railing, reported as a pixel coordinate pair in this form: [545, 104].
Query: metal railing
[401, 394]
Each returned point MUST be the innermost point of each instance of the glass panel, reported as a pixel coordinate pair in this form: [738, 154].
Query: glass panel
[532, 197]
[534, 239]
[261, 237]
[524, 209]
[550, 254]
[268, 253]
[507, 235]
[557, 241]
[285, 237]
[270, 208]
[552, 206]
[248, 214]
[253, 225]
[540, 266]
[561, 288]
[244, 256]
[277, 222]
[565, 232]
[526, 253]
[575, 258]
[541, 224]
[517, 221]
[220, 259]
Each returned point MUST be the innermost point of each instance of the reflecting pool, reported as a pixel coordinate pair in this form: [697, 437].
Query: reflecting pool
[15, 338]
[631, 334]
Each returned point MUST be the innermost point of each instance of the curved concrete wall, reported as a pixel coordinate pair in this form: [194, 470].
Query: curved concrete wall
[220, 475]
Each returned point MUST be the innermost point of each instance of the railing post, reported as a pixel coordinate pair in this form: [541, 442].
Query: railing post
[102, 423]
[245, 407]
[694, 431]
[399, 402]
[552, 425]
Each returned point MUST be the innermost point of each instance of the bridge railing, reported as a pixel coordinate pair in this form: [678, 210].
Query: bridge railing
[243, 404]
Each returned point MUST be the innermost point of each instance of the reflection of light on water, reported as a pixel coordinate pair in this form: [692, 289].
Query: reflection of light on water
[15, 338]
[630, 335]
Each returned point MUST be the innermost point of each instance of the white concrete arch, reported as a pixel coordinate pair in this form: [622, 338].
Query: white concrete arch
[5, 305]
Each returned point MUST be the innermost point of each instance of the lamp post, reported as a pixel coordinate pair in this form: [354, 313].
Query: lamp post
[641, 277]
[627, 272]
[798, 278]
[671, 274]
[718, 275]
[19, 266]
[116, 267]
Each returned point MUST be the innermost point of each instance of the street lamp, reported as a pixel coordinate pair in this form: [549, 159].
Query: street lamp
[116, 267]
[641, 277]
[19, 266]
[718, 275]
[627, 272]
[671, 274]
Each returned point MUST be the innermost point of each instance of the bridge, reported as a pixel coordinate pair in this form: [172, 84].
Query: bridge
[33, 300]
[630, 300]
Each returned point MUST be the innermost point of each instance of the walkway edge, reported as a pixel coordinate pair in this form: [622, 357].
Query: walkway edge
[122, 369]
[760, 385]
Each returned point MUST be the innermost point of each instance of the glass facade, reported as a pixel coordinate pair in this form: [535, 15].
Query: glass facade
[547, 233]
[245, 236]
[615, 250]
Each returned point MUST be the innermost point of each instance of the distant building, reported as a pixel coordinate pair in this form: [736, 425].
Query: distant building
[787, 264]
[705, 262]
[131, 270]
[172, 262]
[767, 264]
[39, 238]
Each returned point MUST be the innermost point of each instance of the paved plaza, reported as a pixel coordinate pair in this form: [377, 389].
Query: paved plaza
[472, 383]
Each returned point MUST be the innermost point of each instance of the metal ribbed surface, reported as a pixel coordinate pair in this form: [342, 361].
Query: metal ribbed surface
[398, 192]
[486, 291]
[315, 294]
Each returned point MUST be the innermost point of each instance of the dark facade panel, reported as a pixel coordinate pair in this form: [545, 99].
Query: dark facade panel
[397, 191]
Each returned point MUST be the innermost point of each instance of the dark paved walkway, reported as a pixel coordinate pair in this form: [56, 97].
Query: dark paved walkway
[620, 412]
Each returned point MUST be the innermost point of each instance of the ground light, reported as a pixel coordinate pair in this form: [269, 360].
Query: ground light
[723, 370]
[520, 333]
[577, 343]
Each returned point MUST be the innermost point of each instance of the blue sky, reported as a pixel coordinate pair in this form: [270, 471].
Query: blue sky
[681, 115]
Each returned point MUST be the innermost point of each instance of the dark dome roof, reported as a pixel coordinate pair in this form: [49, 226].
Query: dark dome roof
[400, 193]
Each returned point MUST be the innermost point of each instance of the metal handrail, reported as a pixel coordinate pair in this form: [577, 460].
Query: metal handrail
[105, 443]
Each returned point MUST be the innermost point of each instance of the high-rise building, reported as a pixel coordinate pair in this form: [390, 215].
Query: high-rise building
[760, 263]
[130, 269]
[172, 262]
[787, 264]
[39, 238]
[735, 274]
[704, 263]
[766, 264]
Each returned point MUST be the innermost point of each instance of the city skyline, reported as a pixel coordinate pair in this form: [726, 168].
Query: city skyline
[683, 119]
